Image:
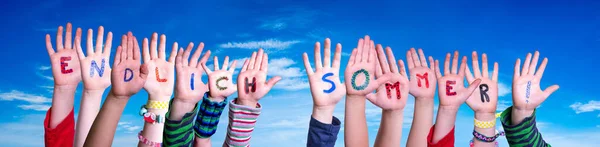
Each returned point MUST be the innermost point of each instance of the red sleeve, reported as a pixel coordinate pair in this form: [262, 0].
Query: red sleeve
[63, 134]
[447, 141]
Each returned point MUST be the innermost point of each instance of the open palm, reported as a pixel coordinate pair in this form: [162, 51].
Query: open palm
[65, 62]
[189, 87]
[452, 92]
[527, 93]
[128, 77]
[359, 75]
[220, 80]
[483, 102]
[161, 74]
[388, 97]
[422, 77]
[252, 80]
[95, 67]
[325, 85]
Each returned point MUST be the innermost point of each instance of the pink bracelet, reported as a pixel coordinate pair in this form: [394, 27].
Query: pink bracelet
[148, 142]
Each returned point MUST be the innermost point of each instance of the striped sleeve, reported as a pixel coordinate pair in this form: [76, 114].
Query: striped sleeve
[524, 134]
[208, 117]
[179, 133]
[241, 124]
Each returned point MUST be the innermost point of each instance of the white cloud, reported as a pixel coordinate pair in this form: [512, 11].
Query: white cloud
[345, 54]
[18, 95]
[44, 67]
[282, 67]
[503, 104]
[589, 107]
[128, 127]
[292, 84]
[503, 89]
[240, 62]
[265, 44]
[274, 25]
[289, 17]
[36, 107]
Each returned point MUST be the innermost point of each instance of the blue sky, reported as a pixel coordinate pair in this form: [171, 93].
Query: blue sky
[563, 31]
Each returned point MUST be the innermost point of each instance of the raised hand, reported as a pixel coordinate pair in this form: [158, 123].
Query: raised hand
[485, 99]
[392, 95]
[161, 73]
[325, 85]
[252, 80]
[453, 94]
[189, 87]
[95, 67]
[65, 62]
[422, 78]
[359, 77]
[220, 80]
[527, 93]
[128, 77]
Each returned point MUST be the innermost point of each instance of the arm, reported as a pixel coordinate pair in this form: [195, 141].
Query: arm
[96, 66]
[127, 78]
[359, 82]
[58, 124]
[327, 91]
[422, 87]
[519, 120]
[484, 100]
[391, 97]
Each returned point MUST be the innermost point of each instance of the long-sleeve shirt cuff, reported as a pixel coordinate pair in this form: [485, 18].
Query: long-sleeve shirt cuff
[241, 124]
[179, 132]
[446, 141]
[522, 134]
[63, 134]
[321, 134]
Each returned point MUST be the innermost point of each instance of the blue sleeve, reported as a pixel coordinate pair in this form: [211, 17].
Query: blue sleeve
[323, 135]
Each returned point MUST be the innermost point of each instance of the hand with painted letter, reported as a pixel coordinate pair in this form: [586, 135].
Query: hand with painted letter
[65, 62]
[392, 95]
[190, 88]
[527, 93]
[252, 80]
[452, 92]
[95, 67]
[422, 78]
[220, 80]
[161, 73]
[128, 76]
[359, 75]
[485, 99]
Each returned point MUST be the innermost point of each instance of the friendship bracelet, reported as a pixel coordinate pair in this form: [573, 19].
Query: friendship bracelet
[157, 104]
[148, 142]
[150, 117]
[484, 138]
[485, 124]
[472, 143]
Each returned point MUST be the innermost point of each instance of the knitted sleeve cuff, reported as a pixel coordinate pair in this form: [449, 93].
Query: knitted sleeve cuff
[208, 117]
[524, 133]
[179, 132]
[241, 124]
[321, 134]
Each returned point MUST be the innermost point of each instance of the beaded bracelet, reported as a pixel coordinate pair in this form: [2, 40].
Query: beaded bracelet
[484, 138]
[150, 117]
[148, 142]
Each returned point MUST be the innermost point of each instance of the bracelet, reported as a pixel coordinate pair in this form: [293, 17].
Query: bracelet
[148, 142]
[150, 117]
[472, 143]
[485, 124]
[484, 138]
[157, 104]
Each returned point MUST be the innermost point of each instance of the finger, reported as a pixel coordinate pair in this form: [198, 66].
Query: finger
[145, 50]
[402, 68]
[273, 81]
[359, 51]
[446, 64]
[216, 63]
[366, 49]
[77, 36]
[337, 56]
[205, 57]
[391, 60]
[206, 68]
[309, 70]
[472, 87]
[378, 71]
[124, 47]
[409, 59]
[186, 54]
[225, 63]
[372, 53]
[153, 44]
[495, 72]
[196, 55]
[431, 62]
[484, 66]
[79, 50]
[59, 38]
[69, 36]
[108, 45]
[548, 91]
[534, 63]
[438, 74]
[130, 45]
[49, 45]
[173, 52]
[252, 60]
[372, 98]
[463, 65]
[327, 52]
[475, 63]
[526, 64]
[422, 58]
[118, 56]
[245, 66]
[540, 71]
[179, 58]
[259, 60]
[352, 59]
[318, 64]
[415, 57]
[455, 63]
[265, 63]
[99, 40]
[162, 47]
[136, 49]
[385, 67]
[516, 73]
[469, 75]
[232, 68]
[90, 42]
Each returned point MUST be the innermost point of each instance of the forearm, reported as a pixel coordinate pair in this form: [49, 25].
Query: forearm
[444, 123]
[390, 129]
[422, 122]
[517, 116]
[202, 142]
[103, 129]
[523, 133]
[90, 105]
[62, 103]
[179, 108]
[355, 128]
[153, 131]
[323, 114]
[481, 116]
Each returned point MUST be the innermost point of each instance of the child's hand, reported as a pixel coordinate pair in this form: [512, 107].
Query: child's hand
[452, 92]
[392, 95]
[527, 93]
[325, 85]
[422, 78]
[95, 67]
[485, 99]
[220, 80]
[65, 62]
[161, 73]
[252, 80]
[359, 75]
[189, 87]
[128, 77]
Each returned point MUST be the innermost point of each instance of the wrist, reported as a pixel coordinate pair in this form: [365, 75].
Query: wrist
[249, 103]
[398, 112]
[448, 110]
[217, 98]
[93, 92]
[323, 114]
[65, 88]
[518, 115]
[485, 116]
[114, 96]
[158, 97]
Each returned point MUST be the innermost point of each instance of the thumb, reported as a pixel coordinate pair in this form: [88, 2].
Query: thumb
[144, 71]
[273, 81]
[472, 86]
[372, 97]
[548, 91]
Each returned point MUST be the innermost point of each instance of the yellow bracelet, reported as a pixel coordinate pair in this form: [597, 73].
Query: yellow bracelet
[485, 124]
[157, 105]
